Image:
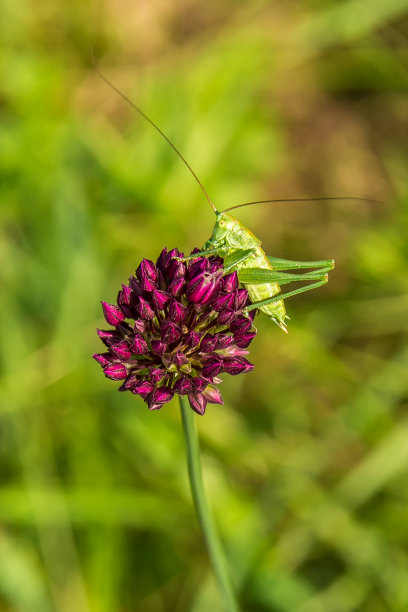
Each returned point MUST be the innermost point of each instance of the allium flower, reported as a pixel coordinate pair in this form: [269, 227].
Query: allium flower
[177, 326]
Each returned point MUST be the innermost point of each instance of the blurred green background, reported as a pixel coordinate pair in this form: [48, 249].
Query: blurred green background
[306, 464]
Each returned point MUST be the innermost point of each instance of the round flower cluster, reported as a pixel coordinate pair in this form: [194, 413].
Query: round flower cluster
[178, 325]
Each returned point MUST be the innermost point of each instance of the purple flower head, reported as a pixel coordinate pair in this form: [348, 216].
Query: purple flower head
[177, 326]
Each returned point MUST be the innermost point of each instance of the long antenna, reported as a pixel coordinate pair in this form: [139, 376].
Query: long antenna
[156, 127]
[302, 200]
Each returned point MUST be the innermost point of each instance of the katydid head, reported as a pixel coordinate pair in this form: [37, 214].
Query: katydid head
[224, 223]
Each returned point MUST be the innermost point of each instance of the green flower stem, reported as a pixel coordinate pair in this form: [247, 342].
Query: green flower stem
[217, 556]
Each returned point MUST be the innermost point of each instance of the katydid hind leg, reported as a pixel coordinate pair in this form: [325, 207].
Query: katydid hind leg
[283, 296]
[288, 264]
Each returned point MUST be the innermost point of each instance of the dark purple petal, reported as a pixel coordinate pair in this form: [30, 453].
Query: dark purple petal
[124, 301]
[237, 365]
[158, 347]
[124, 295]
[234, 351]
[244, 340]
[223, 301]
[115, 371]
[212, 367]
[176, 286]
[225, 317]
[170, 332]
[197, 267]
[213, 395]
[183, 386]
[160, 298]
[158, 397]
[199, 383]
[103, 358]
[129, 383]
[161, 260]
[198, 402]
[240, 325]
[201, 289]
[113, 314]
[223, 341]
[192, 339]
[144, 309]
[121, 349]
[230, 282]
[176, 269]
[139, 345]
[180, 359]
[135, 286]
[143, 388]
[208, 343]
[156, 374]
[215, 263]
[106, 335]
[177, 312]
[173, 254]
[241, 298]
[140, 326]
[147, 274]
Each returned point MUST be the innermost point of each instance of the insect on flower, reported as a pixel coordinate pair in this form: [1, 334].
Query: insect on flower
[177, 326]
[242, 252]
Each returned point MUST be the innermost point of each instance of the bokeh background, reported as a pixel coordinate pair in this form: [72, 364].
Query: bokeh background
[306, 464]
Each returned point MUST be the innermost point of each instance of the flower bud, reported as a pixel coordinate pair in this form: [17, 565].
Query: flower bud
[113, 314]
[176, 286]
[230, 282]
[244, 340]
[212, 367]
[158, 347]
[237, 365]
[201, 288]
[225, 317]
[208, 343]
[241, 298]
[147, 274]
[160, 298]
[198, 402]
[156, 374]
[177, 312]
[106, 335]
[158, 397]
[192, 339]
[170, 332]
[240, 325]
[103, 358]
[143, 388]
[223, 301]
[144, 309]
[213, 395]
[115, 371]
[120, 349]
[183, 386]
[139, 345]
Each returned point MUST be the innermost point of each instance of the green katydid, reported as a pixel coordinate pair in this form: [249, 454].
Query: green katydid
[261, 275]
[241, 250]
